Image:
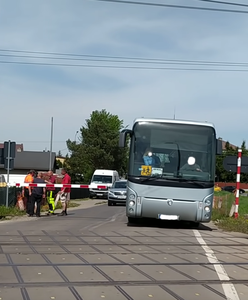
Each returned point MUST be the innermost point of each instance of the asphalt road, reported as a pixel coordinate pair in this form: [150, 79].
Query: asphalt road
[92, 254]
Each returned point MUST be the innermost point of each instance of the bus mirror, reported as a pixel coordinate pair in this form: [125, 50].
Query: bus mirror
[123, 136]
[218, 147]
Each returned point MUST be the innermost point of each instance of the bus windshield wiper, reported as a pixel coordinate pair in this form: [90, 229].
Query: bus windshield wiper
[153, 177]
[180, 179]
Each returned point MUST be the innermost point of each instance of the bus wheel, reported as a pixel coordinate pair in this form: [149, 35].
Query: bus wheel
[132, 221]
[195, 224]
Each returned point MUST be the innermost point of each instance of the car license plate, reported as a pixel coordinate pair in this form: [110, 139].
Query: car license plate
[122, 197]
[100, 195]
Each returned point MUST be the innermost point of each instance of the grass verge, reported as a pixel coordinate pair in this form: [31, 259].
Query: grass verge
[102, 202]
[80, 200]
[10, 212]
[59, 206]
[221, 217]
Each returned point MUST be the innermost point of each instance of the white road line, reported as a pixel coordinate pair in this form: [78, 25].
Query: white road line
[228, 288]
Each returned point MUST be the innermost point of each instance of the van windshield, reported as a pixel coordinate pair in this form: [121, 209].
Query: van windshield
[102, 179]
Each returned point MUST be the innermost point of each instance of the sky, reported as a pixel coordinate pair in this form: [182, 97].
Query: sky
[30, 94]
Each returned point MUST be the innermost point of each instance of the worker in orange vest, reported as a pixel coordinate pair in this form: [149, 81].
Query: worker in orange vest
[26, 191]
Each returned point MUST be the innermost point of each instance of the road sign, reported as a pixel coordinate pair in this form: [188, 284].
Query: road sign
[9, 153]
[230, 164]
[1, 157]
[12, 149]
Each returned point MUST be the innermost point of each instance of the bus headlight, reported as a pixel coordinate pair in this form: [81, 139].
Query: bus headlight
[207, 209]
[131, 197]
[208, 202]
[131, 203]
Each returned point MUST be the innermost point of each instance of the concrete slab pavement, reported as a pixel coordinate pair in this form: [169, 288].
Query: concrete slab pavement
[92, 254]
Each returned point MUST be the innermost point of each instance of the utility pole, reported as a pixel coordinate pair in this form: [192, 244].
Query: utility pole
[8, 163]
[51, 146]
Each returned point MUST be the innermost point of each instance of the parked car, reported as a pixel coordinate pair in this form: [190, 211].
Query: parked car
[231, 189]
[117, 193]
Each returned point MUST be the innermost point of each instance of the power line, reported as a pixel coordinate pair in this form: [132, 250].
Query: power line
[123, 67]
[20, 142]
[176, 6]
[225, 3]
[122, 57]
[132, 60]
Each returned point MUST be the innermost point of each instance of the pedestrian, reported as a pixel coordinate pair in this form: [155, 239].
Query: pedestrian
[50, 193]
[26, 191]
[64, 194]
[36, 195]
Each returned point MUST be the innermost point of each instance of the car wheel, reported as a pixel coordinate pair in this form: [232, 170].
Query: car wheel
[109, 203]
[114, 203]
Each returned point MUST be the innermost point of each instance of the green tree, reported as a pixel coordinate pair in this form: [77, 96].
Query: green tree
[221, 173]
[99, 146]
[244, 177]
[59, 164]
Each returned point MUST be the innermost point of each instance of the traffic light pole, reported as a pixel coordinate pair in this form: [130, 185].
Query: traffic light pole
[8, 163]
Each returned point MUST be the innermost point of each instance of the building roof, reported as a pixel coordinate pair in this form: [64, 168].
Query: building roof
[19, 147]
[28, 160]
[230, 145]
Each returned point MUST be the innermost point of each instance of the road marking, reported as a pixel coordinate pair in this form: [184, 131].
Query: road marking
[228, 288]
[109, 220]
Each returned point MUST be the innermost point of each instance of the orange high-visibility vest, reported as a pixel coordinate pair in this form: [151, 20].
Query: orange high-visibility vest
[28, 179]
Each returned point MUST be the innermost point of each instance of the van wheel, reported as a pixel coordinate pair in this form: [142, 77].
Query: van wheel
[109, 203]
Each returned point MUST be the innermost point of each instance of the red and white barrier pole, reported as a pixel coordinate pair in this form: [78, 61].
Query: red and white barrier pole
[57, 185]
[236, 213]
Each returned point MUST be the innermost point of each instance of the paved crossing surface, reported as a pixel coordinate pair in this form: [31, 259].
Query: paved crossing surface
[92, 254]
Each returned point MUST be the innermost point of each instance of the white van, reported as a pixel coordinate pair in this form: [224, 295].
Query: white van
[104, 179]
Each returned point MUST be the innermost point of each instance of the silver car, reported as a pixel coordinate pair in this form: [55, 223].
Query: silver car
[117, 193]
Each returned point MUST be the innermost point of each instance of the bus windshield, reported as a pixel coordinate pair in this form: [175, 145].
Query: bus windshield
[172, 151]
